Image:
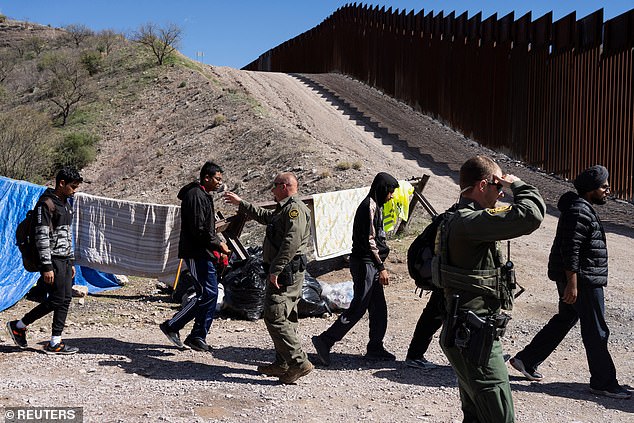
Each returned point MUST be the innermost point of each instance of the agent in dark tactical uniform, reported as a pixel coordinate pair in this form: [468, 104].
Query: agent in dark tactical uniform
[284, 256]
[578, 263]
[475, 285]
[54, 243]
[369, 252]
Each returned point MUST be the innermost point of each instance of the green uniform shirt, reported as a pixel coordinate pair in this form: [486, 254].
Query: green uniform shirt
[287, 231]
[474, 233]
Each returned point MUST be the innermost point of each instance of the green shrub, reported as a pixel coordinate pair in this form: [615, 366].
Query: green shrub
[343, 165]
[76, 149]
[91, 61]
[326, 173]
[183, 84]
[219, 119]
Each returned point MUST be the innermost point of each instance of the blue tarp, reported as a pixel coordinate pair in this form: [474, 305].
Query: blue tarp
[16, 198]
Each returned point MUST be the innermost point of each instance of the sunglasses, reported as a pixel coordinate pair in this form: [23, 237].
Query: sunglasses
[499, 186]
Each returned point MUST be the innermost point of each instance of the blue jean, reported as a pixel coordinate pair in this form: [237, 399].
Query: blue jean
[202, 307]
[589, 309]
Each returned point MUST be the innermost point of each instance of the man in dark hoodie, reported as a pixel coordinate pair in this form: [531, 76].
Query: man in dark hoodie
[578, 263]
[54, 243]
[201, 249]
[369, 252]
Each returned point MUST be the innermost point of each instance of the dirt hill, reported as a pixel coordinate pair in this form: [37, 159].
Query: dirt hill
[322, 127]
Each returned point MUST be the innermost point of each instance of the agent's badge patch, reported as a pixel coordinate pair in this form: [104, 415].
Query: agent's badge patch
[498, 210]
[293, 213]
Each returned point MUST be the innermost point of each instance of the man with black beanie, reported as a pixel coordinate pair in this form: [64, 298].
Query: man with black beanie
[578, 263]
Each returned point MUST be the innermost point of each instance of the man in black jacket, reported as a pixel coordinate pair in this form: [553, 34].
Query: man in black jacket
[54, 243]
[578, 263]
[197, 244]
[369, 252]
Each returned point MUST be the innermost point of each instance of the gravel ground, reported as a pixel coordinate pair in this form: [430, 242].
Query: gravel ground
[127, 371]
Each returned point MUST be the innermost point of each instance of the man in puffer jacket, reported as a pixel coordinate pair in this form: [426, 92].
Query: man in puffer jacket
[578, 263]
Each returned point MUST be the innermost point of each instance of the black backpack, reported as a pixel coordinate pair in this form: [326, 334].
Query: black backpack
[25, 238]
[421, 253]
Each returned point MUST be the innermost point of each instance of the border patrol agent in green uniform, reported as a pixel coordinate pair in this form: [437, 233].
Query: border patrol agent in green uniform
[284, 256]
[478, 286]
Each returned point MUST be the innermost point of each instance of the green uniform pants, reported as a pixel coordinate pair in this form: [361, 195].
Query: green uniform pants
[485, 391]
[280, 317]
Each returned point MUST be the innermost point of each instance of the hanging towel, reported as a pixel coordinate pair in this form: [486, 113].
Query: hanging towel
[333, 216]
[125, 237]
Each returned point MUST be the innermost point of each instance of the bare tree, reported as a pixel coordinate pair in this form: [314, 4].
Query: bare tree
[8, 60]
[107, 40]
[35, 44]
[78, 33]
[68, 83]
[162, 41]
[25, 145]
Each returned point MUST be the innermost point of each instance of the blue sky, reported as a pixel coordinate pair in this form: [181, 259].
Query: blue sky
[234, 33]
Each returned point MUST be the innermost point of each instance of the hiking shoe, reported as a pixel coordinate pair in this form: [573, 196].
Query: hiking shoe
[617, 392]
[420, 363]
[296, 371]
[18, 335]
[197, 344]
[60, 348]
[380, 355]
[273, 369]
[530, 375]
[323, 351]
[173, 336]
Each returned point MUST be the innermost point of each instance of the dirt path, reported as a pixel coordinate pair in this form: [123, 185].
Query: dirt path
[126, 370]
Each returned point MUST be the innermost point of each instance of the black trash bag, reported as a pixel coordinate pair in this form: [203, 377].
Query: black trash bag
[245, 284]
[311, 304]
[184, 286]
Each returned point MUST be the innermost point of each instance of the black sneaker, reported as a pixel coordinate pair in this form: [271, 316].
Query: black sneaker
[529, 374]
[18, 335]
[60, 348]
[380, 355]
[420, 363]
[197, 344]
[617, 392]
[323, 352]
[173, 336]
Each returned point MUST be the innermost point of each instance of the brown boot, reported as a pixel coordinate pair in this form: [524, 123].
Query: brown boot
[273, 369]
[296, 371]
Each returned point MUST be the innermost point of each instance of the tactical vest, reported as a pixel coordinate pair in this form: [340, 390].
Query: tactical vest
[496, 282]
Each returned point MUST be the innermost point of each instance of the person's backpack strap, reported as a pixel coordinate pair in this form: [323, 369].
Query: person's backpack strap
[50, 205]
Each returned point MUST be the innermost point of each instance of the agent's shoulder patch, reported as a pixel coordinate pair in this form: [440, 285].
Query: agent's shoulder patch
[499, 210]
[293, 213]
